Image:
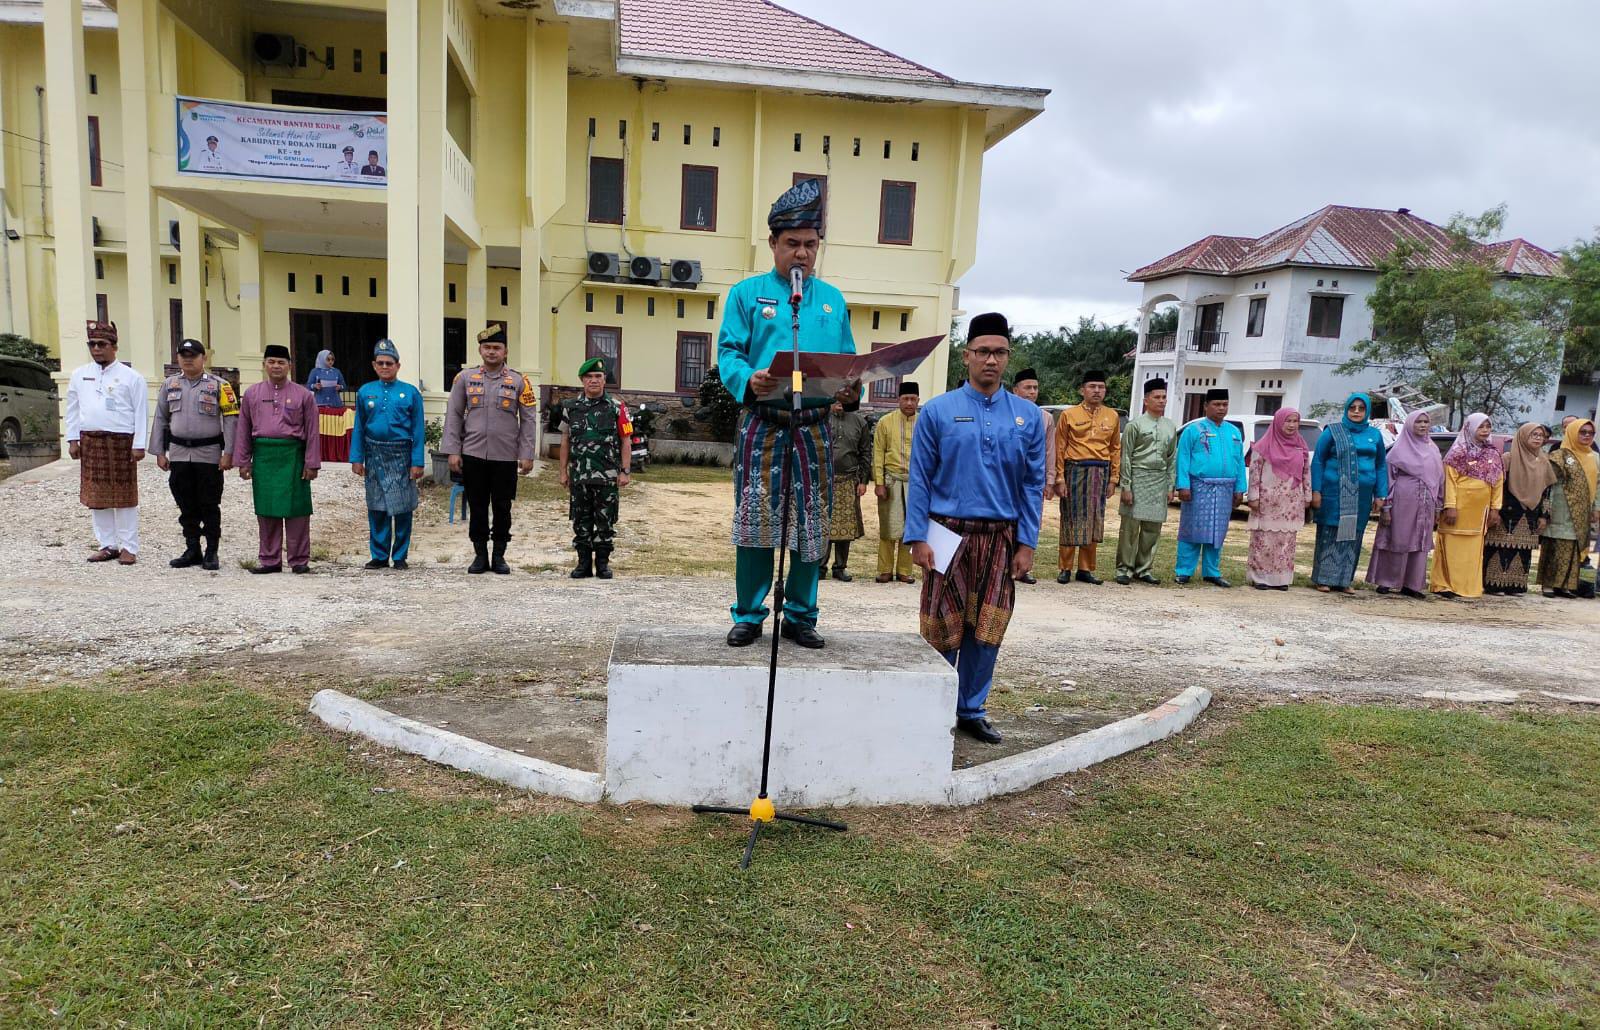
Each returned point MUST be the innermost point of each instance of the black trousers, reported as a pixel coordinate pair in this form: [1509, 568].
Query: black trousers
[488, 485]
[197, 487]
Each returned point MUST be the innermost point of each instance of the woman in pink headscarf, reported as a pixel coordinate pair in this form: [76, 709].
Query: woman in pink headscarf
[1416, 493]
[1280, 491]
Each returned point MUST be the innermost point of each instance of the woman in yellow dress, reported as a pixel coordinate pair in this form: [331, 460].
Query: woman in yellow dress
[1474, 482]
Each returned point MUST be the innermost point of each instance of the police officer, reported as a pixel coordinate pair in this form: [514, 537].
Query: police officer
[596, 453]
[192, 439]
[489, 430]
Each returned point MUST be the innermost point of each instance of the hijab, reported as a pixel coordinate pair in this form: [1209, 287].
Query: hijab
[1470, 458]
[1528, 469]
[324, 359]
[1354, 427]
[1585, 455]
[1285, 452]
[1418, 457]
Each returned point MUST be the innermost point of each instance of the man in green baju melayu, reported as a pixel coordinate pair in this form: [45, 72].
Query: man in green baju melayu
[1149, 463]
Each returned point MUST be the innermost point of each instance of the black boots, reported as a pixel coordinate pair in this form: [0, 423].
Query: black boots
[480, 561]
[209, 561]
[189, 557]
[602, 562]
[585, 567]
[497, 564]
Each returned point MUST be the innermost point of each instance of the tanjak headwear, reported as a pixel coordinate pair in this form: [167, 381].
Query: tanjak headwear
[991, 323]
[386, 349]
[592, 365]
[106, 331]
[800, 207]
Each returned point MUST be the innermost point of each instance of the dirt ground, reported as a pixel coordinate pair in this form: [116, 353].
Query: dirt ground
[524, 656]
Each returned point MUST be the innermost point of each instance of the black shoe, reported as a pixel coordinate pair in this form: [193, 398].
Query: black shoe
[841, 575]
[1448, 595]
[209, 562]
[300, 570]
[400, 565]
[585, 567]
[800, 633]
[1183, 581]
[1263, 586]
[1284, 588]
[1123, 581]
[497, 564]
[377, 563]
[1385, 590]
[1027, 577]
[743, 634]
[1085, 576]
[190, 556]
[1150, 580]
[980, 729]
[1567, 595]
[480, 560]
[602, 562]
[1415, 595]
[1218, 581]
[1064, 576]
[265, 570]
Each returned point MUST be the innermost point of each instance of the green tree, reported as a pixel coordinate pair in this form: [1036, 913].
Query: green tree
[1062, 355]
[1460, 332]
[717, 407]
[14, 346]
[1164, 321]
[1581, 289]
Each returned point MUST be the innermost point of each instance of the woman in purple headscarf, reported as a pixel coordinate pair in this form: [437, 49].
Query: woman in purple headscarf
[1474, 488]
[1416, 493]
[1280, 492]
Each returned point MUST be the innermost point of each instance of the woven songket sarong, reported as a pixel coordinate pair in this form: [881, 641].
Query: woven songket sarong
[892, 509]
[1204, 519]
[107, 478]
[277, 481]
[846, 524]
[758, 502]
[1149, 488]
[390, 487]
[977, 592]
[1083, 502]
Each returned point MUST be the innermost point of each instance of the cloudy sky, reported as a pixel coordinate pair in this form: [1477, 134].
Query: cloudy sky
[1171, 120]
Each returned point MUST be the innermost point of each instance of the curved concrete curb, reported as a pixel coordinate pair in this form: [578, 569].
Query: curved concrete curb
[343, 712]
[1019, 772]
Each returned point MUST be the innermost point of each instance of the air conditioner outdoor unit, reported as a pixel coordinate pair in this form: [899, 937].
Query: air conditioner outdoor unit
[645, 270]
[273, 49]
[685, 272]
[604, 265]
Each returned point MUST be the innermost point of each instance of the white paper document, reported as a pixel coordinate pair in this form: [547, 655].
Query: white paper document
[944, 544]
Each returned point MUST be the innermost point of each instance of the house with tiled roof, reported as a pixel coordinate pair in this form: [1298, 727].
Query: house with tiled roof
[593, 175]
[1271, 317]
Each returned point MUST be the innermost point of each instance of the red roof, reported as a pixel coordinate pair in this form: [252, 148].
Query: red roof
[1341, 237]
[753, 32]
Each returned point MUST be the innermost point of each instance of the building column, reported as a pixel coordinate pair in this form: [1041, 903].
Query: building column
[531, 311]
[192, 276]
[477, 293]
[67, 136]
[137, 43]
[432, 56]
[402, 189]
[251, 336]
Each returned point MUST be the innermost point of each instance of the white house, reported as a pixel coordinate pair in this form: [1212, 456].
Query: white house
[1272, 317]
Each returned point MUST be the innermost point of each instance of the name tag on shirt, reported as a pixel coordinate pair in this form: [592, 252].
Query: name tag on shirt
[964, 418]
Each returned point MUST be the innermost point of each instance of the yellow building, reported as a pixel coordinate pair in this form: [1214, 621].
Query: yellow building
[179, 166]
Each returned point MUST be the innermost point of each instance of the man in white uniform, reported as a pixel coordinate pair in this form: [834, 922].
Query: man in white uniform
[108, 424]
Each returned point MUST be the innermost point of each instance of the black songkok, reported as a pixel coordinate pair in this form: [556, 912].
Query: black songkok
[909, 388]
[1216, 393]
[991, 323]
[1092, 376]
[1152, 385]
[1026, 375]
[275, 350]
[800, 207]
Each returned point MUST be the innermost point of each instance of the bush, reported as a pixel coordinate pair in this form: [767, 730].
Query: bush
[433, 433]
[14, 346]
[718, 407]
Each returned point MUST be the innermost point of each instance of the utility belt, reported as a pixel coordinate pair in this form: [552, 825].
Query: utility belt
[785, 417]
[195, 443]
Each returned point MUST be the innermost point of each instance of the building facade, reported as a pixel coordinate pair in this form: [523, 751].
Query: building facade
[1272, 318]
[178, 166]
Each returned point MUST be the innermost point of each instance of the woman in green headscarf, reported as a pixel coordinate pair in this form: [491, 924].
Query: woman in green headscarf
[1350, 483]
[1574, 507]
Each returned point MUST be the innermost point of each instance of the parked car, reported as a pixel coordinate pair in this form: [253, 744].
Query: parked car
[30, 406]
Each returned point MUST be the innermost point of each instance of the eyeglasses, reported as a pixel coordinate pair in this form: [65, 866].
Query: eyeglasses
[985, 353]
[101, 343]
[385, 363]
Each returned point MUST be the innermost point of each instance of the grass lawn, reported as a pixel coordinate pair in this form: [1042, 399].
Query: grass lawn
[197, 855]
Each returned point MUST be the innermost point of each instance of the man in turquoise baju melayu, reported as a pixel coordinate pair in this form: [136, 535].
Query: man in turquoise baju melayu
[1211, 482]
[756, 327]
[386, 448]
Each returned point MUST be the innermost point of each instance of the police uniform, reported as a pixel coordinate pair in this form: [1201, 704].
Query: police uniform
[491, 422]
[597, 430]
[194, 426]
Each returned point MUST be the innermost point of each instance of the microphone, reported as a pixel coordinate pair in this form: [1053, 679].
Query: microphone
[797, 282]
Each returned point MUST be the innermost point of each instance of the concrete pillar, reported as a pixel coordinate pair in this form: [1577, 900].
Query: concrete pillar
[431, 62]
[137, 45]
[192, 276]
[67, 135]
[477, 293]
[251, 339]
[402, 189]
[531, 313]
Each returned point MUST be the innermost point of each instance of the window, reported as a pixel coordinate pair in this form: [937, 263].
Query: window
[102, 311]
[383, 62]
[450, 292]
[693, 350]
[372, 286]
[94, 83]
[505, 296]
[822, 180]
[99, 271]
[1326, 314]
[1268, 403]
[1258, 318]
[94, 151]
[355, 59]
[699, 198]
[885, 389]
[650, 306]
[319, 282]
[605, 190]
[291, 281]
[1561, 399]
[603, 341]
[344, 285]
[895, 215]
[172, 275]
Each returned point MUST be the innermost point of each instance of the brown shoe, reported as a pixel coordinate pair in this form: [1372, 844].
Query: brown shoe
[906, 579]
[126, 558]
[884, 578]
[104, 554]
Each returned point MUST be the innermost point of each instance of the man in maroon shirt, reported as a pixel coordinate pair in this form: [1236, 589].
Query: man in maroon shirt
[278, 448]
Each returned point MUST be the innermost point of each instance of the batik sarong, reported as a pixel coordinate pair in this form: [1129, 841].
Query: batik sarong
[977, 592]
[1083, 502]
[277, 478]
[1204, 518]
[107, 475]
[1334, 563]
[846, 523]
[1150, 488]
[390, 487]
[758, 498]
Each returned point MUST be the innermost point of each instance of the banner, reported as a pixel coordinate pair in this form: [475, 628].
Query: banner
[244, 141]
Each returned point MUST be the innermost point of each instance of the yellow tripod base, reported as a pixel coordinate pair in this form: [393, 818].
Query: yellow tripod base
[762, 811]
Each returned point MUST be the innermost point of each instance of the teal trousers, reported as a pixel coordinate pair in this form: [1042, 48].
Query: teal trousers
[753, 581]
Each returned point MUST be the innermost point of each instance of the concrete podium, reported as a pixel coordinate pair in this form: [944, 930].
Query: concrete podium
[865, 721]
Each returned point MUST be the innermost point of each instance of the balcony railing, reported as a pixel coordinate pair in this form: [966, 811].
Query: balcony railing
[1160, 342]
[1206, 341]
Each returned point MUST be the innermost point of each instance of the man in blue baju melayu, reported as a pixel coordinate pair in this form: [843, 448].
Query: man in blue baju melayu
[756, 327]
[1210, 483]
[386, 448]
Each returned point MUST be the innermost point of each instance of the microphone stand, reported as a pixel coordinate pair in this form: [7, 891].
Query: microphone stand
[761, 810]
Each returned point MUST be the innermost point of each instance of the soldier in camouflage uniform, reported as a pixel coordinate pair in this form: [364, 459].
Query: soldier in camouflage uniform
[596, 451]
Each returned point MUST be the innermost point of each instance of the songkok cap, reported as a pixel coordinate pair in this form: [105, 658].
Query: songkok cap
[800, 207]
[385, 348]
[493, 334]
[1026, 375]
[910, 389]
[191, 347]
[991, 323]
[1152, 385]
[592, 365]
[275, 350]
[106, 331]
[1094, 375]
[1216, 393]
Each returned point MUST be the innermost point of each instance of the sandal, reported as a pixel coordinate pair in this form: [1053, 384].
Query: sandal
[1322, 589]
